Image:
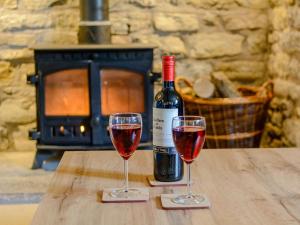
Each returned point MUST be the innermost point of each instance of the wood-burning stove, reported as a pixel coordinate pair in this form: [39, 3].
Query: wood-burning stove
[78, 87]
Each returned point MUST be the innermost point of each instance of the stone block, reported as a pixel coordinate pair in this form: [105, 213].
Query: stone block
[140, 22]
[15, 54]
[210, 45]
[273, 130]
[281, 2]
[219, 4]
[38, 4]
[3, 139]
[244, 19]
[21, 39]
[283, 105]
[65, 18]
[12, 112]
[257, 42]
[284, 88]
[255, 4]
[285, 66]
[135, 15]
[168, 44]
[277, 118]
[10, 21]
[5, 69]
[278, 64]
[140, 26]
[9, 4]
[291, 129]
[287, 107]
[276, 143]
[242, 70]
[19, 84]
[120, 27]
[4, 37]
[120, 39]
[172, 22]
[293, 68]
[241, 66]
[295, 17]
[210, 18]
[144, 3]
[298, 111]
[172, 44]
[15, 20]
[20, 138]
[290, 41]
[193, 69]
[279, 18]
[57, 36]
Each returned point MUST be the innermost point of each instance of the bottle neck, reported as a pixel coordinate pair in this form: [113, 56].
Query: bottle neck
[168, 70]
[168, 84]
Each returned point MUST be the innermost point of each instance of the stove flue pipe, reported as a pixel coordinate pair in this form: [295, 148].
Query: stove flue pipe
[94, 26]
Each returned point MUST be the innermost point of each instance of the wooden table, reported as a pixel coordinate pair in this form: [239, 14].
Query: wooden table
[254, 186]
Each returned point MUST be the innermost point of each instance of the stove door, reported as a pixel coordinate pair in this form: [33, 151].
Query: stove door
[64, 103]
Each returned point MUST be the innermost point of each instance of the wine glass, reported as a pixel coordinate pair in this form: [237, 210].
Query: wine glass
[125, 132]
[188, 136]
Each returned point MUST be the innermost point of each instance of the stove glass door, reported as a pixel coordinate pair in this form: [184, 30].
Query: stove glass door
[121, 91]
[67, 93]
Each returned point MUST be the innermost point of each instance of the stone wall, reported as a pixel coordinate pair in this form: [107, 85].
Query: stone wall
[206, 35]
[284, 66]
[24, 23]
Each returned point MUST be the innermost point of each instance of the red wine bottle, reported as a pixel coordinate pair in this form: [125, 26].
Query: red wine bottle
[168, 165]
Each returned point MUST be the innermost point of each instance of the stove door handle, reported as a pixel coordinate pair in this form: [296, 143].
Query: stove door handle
[32, 78]
[34, 134]
[154, 76]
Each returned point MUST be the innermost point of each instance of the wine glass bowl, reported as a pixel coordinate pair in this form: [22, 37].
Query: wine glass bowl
[189, 141]
[125, 132]
[125, 138]
[189, 137]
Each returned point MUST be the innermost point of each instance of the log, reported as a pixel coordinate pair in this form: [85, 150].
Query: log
[204, 88]
[225, 86]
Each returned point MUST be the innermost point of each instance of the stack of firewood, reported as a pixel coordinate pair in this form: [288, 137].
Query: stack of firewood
[215, 86]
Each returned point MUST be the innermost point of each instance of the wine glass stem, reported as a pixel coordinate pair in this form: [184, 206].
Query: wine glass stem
[189, 180]
[126, 174]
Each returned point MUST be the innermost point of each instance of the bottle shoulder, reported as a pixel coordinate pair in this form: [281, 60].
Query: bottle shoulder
[168, 97]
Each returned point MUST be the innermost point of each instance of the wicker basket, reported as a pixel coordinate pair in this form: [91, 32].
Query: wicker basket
[231, 122]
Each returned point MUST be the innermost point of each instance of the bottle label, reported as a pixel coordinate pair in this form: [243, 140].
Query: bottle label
[162, 128]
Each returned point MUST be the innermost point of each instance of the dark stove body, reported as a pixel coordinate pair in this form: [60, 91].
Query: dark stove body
[57, 133]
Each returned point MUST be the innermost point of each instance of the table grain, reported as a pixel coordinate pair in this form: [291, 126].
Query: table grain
[245, 187]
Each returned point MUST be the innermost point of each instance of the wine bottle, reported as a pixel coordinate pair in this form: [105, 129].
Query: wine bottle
[168, 165]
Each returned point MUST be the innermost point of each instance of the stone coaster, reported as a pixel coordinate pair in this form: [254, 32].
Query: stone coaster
[155, 183]
[167, 203]
[143, 196]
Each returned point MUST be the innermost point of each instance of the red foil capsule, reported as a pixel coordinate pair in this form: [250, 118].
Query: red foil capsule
[168, 63]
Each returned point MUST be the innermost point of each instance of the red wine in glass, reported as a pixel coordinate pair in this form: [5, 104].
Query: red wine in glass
[126, 138]
[188, 136]
[125, 134]
[189, 141]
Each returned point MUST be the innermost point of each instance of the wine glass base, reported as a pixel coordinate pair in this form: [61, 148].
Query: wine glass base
[188, 199]
[122, 193]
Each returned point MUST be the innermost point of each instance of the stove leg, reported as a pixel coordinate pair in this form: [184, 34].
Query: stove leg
[46, 159]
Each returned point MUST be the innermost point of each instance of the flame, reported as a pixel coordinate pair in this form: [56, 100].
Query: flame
[82, 129]
[61, 129]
